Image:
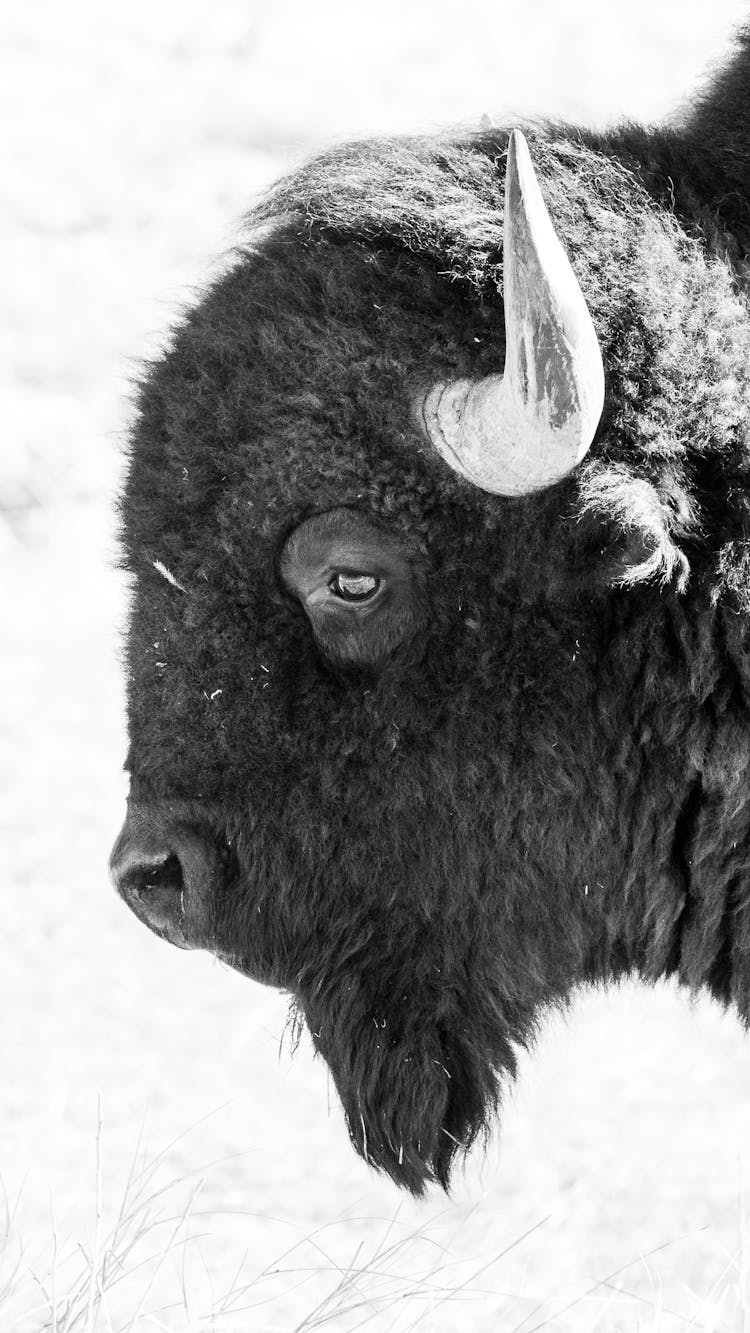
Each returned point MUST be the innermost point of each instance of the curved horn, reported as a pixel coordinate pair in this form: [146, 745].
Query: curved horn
[527, 428]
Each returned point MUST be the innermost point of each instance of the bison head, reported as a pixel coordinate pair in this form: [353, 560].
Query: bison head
[397, 642]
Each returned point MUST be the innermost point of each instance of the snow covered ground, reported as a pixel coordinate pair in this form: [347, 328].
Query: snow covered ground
[134, 138]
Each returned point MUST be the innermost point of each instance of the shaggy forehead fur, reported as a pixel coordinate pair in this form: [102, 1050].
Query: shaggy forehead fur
[384, 270]
[544, 787]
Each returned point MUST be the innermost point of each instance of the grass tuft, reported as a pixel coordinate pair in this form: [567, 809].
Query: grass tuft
[143, 1269]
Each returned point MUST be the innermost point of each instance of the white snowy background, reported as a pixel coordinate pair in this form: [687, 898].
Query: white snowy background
[133, 138]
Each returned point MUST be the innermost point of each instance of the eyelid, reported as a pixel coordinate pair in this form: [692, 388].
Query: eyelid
[354, 571]
[354, 574]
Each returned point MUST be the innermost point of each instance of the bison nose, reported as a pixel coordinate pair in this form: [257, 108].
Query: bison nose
[166, 877]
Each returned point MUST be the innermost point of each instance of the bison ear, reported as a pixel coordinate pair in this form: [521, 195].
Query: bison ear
[521, 431]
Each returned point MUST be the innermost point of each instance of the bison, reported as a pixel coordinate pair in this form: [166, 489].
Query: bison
[438, 521]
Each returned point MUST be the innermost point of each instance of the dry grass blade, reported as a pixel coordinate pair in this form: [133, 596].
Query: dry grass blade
[348, 1296]
[8, 1227]
[744, 1273]
[468, 1282]
[602, 1282]
[182, 1219]
[94, 1287]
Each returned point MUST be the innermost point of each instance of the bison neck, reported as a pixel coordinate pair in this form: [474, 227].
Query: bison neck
[678, 900]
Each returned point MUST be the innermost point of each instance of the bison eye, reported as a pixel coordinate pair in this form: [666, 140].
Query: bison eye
[351, 587]
[361, 587]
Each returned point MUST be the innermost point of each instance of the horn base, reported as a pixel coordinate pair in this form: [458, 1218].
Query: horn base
[495, 441]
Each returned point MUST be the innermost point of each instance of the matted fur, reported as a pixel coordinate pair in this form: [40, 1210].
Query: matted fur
[547, 784]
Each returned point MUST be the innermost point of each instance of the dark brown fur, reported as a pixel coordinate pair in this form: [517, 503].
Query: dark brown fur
[547, 783]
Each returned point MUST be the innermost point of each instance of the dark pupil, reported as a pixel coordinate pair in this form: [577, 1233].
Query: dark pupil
[354, 587]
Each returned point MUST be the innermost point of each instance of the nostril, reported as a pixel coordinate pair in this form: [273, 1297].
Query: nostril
[164, 875]
[134, 867]
[153, 886]
[168, 877]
